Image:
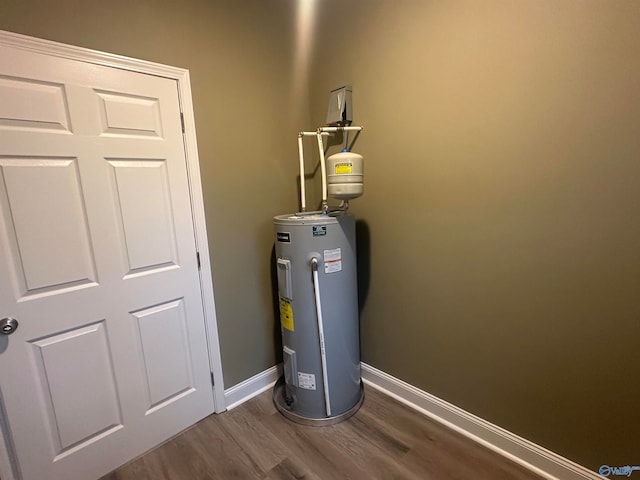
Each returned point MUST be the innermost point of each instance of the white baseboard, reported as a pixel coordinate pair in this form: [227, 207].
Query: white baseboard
[531, 456]
[251, 387]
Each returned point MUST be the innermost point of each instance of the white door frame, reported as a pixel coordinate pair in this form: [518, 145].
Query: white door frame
[181, 76]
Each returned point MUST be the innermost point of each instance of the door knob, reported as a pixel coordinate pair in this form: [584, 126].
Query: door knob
[8, 325]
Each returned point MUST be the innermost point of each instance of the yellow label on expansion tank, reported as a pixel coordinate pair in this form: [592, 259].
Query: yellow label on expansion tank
[286, 314]
[342, 168]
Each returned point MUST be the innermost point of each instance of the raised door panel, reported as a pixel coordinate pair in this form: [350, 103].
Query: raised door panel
[129, 115]
[146, 218]
[74, 369]
[43, 211]
[166, 352]
[27, 104]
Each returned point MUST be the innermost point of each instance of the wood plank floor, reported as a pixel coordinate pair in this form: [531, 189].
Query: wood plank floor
[384, 440]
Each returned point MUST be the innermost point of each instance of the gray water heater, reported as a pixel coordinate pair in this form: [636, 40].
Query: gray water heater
[317, 287]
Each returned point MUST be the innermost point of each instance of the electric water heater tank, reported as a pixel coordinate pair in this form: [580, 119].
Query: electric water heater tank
[345, 175]
[316, 264]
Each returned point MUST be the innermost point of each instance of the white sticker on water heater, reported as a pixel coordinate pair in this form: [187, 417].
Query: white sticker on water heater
[333, 260]
[307, 381]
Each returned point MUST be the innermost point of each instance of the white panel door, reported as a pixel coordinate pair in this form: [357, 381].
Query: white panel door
[98, 265]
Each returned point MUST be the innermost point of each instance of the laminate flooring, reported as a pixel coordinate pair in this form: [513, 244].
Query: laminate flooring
[383, 440]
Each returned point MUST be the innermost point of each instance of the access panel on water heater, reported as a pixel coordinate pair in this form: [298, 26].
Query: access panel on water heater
[285, 287]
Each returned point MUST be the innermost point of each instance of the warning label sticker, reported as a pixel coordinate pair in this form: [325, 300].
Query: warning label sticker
[342, 168]
[307, 381]
[333, 260]
[286, 314]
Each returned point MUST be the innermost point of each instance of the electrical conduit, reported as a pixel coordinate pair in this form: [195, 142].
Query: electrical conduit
[323, 356]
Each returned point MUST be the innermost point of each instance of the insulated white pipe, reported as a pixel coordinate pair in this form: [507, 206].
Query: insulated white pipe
[340, 129]
[313, 134]
[323, 355]
[303, 202]
[323, 173]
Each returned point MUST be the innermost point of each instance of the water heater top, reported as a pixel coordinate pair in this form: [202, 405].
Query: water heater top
[306, 218]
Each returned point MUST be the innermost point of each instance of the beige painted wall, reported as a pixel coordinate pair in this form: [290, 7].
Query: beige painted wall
[502, 160]
[239, 56]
